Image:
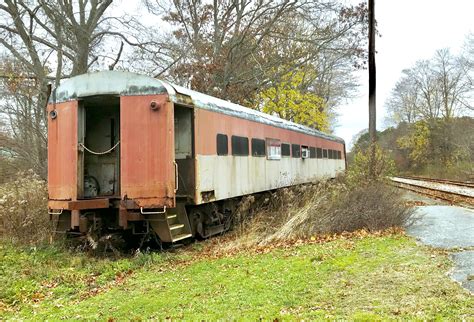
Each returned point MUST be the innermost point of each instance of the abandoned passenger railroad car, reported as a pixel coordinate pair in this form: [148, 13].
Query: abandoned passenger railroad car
[127, 151]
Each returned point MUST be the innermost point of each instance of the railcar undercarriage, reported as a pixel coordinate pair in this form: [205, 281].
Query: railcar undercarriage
[162, 226]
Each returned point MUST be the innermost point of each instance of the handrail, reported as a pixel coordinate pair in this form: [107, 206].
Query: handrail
[55, 213]
[176, 178]
[152, 212]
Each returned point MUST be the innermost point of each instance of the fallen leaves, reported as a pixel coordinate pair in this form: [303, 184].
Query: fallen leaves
[218, 247]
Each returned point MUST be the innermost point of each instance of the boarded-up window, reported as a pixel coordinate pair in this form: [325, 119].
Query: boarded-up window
[312, 152]
[273, 149]
[258, 147]
[222, 144]
[285, 150]
[240, 145]
[319, 153]
[325, 153]
[295, 151]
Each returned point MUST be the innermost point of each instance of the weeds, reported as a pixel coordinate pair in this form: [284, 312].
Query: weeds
[33, 274]
[322, 208]
[23, 210]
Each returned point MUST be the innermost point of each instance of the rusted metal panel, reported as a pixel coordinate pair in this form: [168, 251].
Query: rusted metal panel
[230, 176]
[147, 150]
[79, 204]
[216, 105]
[208, 124]
[131, 84]
[62, 151]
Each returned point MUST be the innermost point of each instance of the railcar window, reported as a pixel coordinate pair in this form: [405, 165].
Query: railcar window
[339, 155]
[285, 150]
[295, 151]
[325, 153]
[329, 154]
[312, 152]
[240, 145]
[222, 144]
[273, 149]
[258, 147]
[319, 153]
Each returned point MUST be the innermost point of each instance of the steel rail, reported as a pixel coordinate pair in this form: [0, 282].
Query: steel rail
[469, 184]
[450, 196]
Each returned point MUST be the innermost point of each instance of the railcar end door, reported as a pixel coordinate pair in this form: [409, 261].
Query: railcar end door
[147, 151]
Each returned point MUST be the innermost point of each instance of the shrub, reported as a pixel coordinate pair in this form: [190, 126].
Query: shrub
[23, 209]
[358, 172]
[323, 208]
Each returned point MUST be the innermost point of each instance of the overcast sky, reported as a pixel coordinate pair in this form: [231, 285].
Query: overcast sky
[410, 30]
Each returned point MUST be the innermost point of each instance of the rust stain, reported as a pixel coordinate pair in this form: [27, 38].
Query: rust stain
[210, 123]
[62, 151]
[78, 204]
[147, 150]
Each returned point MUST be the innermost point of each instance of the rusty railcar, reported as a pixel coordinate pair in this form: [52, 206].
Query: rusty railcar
[130, 152]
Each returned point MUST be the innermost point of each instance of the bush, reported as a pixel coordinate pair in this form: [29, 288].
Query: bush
[323, 208]
[23, 209]
[358, 172]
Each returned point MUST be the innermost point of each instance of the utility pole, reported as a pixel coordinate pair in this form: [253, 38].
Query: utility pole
[372, 82]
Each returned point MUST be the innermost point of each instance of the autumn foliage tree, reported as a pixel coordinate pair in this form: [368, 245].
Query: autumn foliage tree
[236, 49]
[430, 98]
[291, 100]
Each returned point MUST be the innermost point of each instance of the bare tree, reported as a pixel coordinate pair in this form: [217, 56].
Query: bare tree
[233, 49]
[403, 104]
[432, 89]
[43, 38]
[453, 83]
[24, 129]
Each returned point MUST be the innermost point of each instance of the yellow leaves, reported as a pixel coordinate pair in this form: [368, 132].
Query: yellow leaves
[417, 142]
[15, 78]
[359, 169]
[289, 100]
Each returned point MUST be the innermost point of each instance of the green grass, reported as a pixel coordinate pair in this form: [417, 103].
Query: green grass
[367, 278]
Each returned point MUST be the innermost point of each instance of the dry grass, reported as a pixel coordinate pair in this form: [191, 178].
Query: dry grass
[323, 208]
[23, 210]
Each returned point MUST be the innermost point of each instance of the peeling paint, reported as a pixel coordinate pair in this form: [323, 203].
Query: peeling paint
[127, 84]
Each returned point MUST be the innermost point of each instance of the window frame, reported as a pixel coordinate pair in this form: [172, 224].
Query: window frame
[273, 149]
[237, 137]
[226, 144]
[254, 146]
[319, 153]
[298, 151]
[289, 150]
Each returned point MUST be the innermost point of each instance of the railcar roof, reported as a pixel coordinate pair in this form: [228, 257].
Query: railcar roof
[126, 83]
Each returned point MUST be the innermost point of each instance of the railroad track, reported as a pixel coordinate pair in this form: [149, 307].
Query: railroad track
[452, 182]
[454, 192]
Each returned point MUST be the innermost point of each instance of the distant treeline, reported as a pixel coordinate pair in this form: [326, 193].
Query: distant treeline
[437, 147]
